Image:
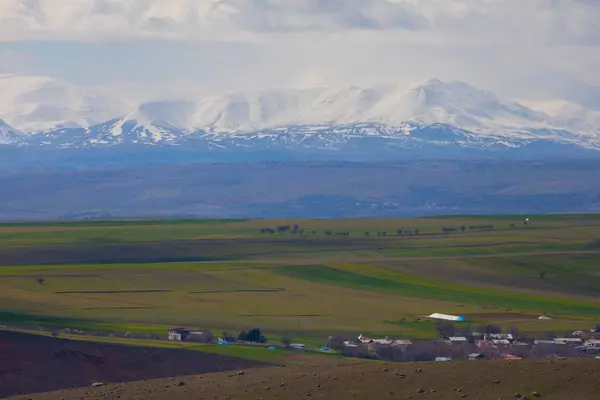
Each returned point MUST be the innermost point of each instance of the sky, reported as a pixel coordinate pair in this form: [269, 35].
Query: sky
[523, 49]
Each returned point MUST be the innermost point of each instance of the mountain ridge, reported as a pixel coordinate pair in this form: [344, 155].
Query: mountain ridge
[429, 114]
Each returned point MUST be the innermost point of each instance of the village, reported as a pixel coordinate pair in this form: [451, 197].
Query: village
[455, 343]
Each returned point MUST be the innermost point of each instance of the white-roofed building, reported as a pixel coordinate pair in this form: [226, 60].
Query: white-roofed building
[447, 317]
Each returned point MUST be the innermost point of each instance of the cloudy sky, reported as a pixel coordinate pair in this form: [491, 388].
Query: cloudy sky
[530, 49]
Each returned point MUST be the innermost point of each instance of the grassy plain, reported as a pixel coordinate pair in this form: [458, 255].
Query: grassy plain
[225, 275]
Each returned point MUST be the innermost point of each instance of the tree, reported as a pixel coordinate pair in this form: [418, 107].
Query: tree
[445, 328]
[367, 233]
[417, 231]
[227, 337]
[286, 341]
[463, 228]
[254, 335]
[514, 331]
[336, 343]
[492, 329]
[542, 273]
[40, 280]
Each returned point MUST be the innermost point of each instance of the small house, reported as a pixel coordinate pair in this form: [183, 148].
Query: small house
[457, 340]
[179, 334]
[593, 344]
[385, 341]
[363, 339]
[501, 342]
[511, 357]
[443, 359]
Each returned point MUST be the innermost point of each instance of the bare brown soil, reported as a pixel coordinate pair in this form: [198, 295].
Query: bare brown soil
[485, 380]
[34, 363]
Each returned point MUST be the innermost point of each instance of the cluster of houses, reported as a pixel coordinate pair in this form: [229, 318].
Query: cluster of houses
[475, 346]
[363, 340]
[480, 346]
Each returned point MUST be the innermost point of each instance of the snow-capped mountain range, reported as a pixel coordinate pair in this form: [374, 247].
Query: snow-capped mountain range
[40, 111]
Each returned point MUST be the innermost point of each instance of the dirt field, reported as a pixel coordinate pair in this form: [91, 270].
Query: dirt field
[32, 363]
[526, 379]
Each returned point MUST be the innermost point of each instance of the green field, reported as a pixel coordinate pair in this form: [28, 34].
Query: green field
[224, 275]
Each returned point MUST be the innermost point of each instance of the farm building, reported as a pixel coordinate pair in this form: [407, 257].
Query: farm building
[447, 317]
[500, 336]
[458, 340]
[593, 343]
[363, 339]
[443, 359]
[179, 334]
[385, 341]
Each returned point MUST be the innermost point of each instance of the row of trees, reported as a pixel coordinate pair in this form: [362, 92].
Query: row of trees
[328, 232]
[295, 229]
[463, 228]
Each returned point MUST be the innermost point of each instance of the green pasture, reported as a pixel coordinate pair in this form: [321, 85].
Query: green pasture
[107, 232]
[306, 287]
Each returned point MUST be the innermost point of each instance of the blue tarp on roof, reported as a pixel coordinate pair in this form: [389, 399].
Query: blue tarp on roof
[223, 342]
[272, 348]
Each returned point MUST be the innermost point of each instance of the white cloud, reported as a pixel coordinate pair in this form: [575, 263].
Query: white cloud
[519, 48]
[550, 21]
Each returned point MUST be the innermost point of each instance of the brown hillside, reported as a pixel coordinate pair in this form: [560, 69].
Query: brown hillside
[33, 363]
[559, 380]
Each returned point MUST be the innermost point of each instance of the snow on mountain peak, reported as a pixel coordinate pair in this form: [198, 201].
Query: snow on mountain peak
[33, 103]
[8, 134]
[39, 103]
